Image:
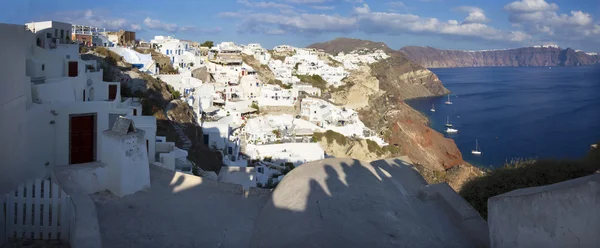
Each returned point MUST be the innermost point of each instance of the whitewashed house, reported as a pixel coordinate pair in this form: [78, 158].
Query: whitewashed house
[49, 34]
[57, 111]
[274, 95]
[296, 153]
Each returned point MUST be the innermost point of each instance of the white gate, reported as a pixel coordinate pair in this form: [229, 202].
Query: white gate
[38, 209]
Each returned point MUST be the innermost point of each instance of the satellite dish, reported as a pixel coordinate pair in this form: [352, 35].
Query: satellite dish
[89, 82]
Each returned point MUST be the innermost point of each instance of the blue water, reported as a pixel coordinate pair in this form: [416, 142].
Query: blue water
[519, 112]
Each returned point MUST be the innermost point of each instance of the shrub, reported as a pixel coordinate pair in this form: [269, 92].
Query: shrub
[176, 94]
[255, 106]
[330, 136]
[208, 43]
[277, 133]
[524, 173]
[314, 80]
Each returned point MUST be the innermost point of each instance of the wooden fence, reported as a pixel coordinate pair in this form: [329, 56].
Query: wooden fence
[38, 209]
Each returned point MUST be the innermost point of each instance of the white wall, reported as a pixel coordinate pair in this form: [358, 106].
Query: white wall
[15, 44]
[127, 162]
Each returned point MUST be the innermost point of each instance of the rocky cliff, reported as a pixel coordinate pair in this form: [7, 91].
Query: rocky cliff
[430, 57]
[379, 91]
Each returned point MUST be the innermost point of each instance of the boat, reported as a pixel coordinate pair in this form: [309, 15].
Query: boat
[448, 102]
[451, 130]
[432, 108]
[448, 124]
[477, 151]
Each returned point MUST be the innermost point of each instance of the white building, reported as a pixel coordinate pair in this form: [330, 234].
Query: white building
[296, 153]
[49, 34]
[274, 95]
[176, 49]
[284, 48]
[56, 111]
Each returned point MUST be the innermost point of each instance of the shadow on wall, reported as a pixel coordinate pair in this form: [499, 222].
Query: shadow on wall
[328, 203]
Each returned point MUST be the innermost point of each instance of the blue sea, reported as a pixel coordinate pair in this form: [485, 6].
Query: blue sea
[518, 112]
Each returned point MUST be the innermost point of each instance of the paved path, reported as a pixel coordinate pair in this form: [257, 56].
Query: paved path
[179, 211]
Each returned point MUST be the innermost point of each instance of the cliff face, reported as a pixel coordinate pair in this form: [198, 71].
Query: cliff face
[383, 110]
[430, 57]
[347, 45]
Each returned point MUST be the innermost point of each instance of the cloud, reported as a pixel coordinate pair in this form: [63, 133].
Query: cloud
[396, 4]
[306, 1]
[363, 19]
[322, 7]
[171, 27]
[300, 23]
[476, 15]
[265, 5]
[96, 18]
[541, 19]
[394, 23]
[530, 6]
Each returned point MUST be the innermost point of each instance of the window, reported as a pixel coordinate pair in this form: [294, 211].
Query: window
[43, 67]
[261, 170]
[48, 35]
[55, 33]
[62, 33]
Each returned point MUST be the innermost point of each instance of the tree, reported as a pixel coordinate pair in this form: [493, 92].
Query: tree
[208, 43]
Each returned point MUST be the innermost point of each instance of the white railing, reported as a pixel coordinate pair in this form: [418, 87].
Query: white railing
[38, 209]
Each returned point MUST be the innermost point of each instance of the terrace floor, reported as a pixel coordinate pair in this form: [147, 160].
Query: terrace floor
[179, 210]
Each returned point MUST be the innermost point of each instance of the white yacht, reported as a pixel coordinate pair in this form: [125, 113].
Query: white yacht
[432, 108]
[451, 130]
[448, 102]
[477, 151]
[448, 124]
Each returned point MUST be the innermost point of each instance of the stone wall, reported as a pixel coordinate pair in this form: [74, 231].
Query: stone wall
[565, 214]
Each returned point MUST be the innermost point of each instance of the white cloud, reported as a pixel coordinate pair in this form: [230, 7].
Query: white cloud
[171, 27]
[96, 18]
[541, 19]
[530, 6]
[322, 7]
[265, 5]
[476, 15]
[363, 19]
[396, 4]
[362, 10]
[306, 1]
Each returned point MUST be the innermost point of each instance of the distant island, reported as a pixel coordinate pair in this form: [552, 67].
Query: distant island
[549, 55]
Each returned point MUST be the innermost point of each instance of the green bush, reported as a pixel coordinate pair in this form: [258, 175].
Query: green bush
[524, 173]
[314, 80]
[176, 94]
[208, 43]
[255, 106]
[330, 136]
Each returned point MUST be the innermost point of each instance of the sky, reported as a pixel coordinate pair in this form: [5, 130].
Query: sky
[445, 24]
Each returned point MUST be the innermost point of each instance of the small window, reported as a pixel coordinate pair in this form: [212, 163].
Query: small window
[261, 170]
[55, 33]
[62, 33]
[48, 35]
[43, 67]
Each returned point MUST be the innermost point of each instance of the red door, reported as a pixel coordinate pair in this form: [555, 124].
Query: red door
[72, 68]
[82, 139]
[112, 92]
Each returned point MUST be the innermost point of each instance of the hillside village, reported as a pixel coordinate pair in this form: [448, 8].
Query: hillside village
[116, 123]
